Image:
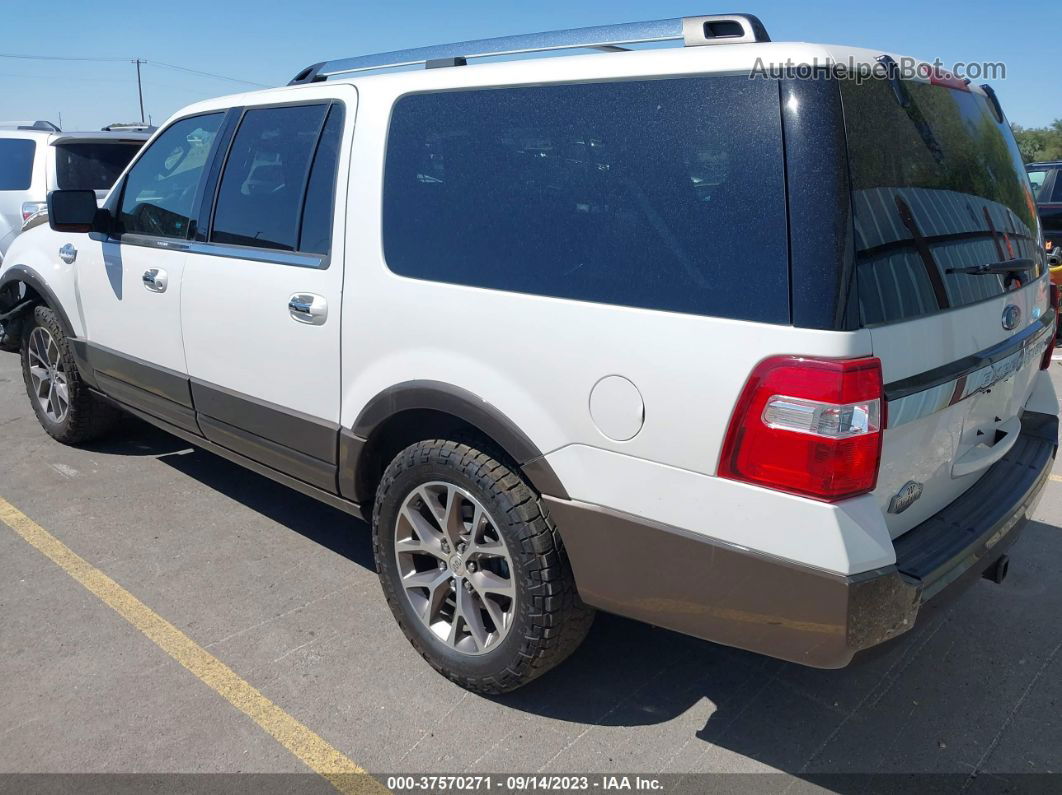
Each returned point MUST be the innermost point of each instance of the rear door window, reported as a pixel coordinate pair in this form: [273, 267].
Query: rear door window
[16, 163]
[91, 165]
[664, 194]
[263, 186]
[937, 186]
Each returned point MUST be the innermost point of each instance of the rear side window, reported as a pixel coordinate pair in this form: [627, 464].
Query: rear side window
[91, 166]
[263, 186]
[664, 194]
[937, 186]
[16, 163]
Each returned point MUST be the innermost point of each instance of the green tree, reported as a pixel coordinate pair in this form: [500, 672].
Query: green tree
[1039, 143]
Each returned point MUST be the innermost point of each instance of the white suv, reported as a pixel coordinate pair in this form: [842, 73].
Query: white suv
[37, 157]
[757, 359]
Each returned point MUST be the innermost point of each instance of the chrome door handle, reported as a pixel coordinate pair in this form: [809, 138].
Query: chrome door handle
[308, 308]
[155, 280]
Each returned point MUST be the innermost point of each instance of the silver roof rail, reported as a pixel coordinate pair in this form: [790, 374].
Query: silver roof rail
[691, 31]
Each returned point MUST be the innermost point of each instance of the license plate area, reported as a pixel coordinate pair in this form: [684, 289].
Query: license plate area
[996, 396]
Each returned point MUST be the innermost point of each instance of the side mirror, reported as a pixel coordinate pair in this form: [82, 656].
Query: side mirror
[72, 210]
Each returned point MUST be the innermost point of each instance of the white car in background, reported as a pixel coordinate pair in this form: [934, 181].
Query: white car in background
[37, 157]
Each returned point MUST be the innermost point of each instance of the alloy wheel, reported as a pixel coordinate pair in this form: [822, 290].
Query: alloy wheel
[456, 570]
[47, 375]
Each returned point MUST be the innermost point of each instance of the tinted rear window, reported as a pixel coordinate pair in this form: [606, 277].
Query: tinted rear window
[16, 163]
[936, 185]
[662, 194]
[91, 166]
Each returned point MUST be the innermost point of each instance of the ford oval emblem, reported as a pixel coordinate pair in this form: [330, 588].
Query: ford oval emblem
[1011, 317]
[905, 497]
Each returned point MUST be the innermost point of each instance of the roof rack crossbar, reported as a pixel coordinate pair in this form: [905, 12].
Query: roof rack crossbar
[691, 31]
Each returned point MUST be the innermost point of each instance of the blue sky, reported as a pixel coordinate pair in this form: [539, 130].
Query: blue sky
[268, 42]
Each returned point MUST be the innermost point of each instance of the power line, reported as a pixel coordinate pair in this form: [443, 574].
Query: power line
[56, 58]
[149, 82]
[133, 60]
[72, 79]
[206, 74]
[138, 62]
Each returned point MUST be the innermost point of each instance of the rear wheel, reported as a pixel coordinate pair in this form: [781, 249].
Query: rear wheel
[64, 406]
[473, 569]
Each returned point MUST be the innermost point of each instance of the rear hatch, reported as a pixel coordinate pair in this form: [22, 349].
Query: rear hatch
[939, 189]
[86, 163]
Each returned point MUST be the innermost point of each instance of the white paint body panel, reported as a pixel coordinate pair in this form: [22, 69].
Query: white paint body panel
[925, 450]
[119, 311]
[846, 537]
[617, 408]
[38, 250]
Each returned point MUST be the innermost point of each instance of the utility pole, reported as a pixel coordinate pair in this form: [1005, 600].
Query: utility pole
[139, 88]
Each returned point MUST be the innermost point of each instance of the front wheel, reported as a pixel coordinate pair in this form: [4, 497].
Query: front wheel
[473, 569]
[64, 406]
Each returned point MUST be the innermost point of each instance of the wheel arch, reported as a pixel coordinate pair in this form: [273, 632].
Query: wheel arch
[416, 410]
[35, 284]
[30, 290]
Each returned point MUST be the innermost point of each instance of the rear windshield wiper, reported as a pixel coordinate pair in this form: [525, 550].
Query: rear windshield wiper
[914, 113]
[1004, 267]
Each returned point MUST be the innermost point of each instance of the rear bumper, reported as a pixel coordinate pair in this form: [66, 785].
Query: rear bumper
[682, 581]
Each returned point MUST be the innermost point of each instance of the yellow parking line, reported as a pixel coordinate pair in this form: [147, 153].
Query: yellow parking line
[1056, 478]
[316, 753]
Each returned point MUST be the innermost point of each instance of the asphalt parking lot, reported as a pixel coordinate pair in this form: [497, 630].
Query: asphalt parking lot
[282, 590]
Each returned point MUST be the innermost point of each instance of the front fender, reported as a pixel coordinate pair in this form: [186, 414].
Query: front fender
[28, 261]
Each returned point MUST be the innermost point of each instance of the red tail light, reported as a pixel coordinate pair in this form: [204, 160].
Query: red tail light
[808, 426]
[1056, 304]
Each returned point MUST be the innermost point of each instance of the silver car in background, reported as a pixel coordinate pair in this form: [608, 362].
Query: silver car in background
[37, 157]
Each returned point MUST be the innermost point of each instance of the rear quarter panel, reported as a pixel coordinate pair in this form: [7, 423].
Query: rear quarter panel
[536, 360]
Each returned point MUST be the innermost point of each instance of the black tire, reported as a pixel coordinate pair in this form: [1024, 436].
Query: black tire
[549, 621]
[87, 417]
